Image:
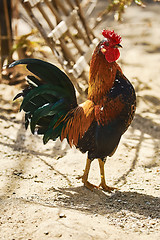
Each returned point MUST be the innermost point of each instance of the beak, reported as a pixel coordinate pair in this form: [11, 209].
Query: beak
[118, 46]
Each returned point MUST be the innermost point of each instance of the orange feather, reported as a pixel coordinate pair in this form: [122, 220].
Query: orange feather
[78, 122]
[101, 77]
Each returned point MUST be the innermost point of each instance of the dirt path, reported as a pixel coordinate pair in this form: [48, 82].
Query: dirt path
[40, 196]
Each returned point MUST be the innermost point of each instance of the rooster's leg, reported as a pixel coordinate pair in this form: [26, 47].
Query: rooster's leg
[103, 182]
[85, 176]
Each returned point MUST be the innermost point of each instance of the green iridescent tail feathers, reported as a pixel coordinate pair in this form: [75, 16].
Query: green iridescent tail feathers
[49, 96]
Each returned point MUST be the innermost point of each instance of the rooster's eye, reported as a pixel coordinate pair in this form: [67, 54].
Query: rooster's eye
[106, 43]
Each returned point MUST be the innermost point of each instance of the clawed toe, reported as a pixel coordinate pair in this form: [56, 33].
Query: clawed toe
[86, 183]
[90, 186]
[107, 188]
[79, 177]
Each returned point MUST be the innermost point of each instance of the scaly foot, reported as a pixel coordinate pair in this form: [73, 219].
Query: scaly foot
[107, 188]
[103, 182]
[87, 184]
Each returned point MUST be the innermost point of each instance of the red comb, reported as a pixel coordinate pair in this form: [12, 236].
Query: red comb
[111, 36]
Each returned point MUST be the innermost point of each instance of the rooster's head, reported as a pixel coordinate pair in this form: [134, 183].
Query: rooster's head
[110, 44]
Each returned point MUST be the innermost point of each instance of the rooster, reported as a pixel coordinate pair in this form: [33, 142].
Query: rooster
[96, 125]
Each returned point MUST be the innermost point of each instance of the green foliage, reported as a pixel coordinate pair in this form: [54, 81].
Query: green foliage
[25, 44]
[118, 7]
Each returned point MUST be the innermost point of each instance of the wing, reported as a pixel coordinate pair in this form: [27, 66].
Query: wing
[77, 122]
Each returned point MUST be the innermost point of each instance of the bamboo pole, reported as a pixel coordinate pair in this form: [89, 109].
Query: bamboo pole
[81, 15]
[0, 55]
[40, 8]
[16, 17]
[50, 42]
[9, 35]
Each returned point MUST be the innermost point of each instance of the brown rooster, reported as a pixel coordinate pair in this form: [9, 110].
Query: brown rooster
[94, 126]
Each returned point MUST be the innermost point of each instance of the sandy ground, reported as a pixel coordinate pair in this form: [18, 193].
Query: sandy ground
[40, 195]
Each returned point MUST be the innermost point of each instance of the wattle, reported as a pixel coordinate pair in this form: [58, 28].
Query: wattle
[112, 54]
